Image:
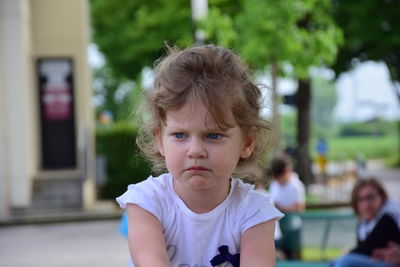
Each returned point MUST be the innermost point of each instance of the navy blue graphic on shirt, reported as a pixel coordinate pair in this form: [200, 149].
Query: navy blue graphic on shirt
[225, 256]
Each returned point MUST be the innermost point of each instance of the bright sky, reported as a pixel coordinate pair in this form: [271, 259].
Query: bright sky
[366, 92]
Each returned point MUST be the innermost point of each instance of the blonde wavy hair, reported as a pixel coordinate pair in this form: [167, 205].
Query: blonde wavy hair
[217, 77]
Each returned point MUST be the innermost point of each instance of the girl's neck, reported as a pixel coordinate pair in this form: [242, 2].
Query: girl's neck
[203, 200]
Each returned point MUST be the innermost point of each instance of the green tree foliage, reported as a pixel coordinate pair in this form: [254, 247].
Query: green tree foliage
[302, 33]
[376, 127]
[372, 32]
[116, 95]
[131, 34]
[104, 87]
[125, 165]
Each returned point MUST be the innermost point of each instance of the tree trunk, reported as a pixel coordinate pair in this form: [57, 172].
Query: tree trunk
[303, 101]
[275, 105]
[397, 93]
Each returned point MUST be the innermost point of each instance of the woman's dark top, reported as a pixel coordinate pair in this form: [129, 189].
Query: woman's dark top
[387, 229]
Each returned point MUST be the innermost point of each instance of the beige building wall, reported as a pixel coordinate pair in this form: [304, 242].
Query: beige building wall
[17, 107]
[61, 29]
[3, 157]
[29, 30]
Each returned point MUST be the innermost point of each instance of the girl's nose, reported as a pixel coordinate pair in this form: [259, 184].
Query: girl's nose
[196, 149]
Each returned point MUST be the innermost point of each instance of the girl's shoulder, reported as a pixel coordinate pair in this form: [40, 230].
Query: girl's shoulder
[251, 207]
[245, 197]
[152, 194]
[158, 184]
[245, 192]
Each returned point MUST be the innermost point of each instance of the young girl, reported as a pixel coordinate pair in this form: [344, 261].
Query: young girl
[202, 124]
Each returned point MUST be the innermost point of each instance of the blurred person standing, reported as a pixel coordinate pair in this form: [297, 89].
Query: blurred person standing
[287, 191]
[288, 194]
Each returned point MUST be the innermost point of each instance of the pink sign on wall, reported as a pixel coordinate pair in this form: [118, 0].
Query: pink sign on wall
[56, 91]
[58, 146]
[57, 102]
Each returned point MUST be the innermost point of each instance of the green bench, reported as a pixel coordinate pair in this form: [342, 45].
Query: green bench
[291, 229]
[329, 216]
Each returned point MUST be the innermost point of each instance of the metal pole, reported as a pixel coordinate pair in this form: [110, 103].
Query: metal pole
[199, 11]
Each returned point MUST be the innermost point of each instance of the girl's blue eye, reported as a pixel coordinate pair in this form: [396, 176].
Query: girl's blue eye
[179, 135]
[214, 136]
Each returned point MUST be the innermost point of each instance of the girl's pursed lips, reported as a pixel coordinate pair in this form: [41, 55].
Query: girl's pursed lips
[197, 168]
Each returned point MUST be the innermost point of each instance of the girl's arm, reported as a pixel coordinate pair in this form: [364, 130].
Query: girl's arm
[145, 238]
[257, 246]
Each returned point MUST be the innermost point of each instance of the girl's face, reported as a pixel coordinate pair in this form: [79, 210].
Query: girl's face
[368, 202]
[198, 154]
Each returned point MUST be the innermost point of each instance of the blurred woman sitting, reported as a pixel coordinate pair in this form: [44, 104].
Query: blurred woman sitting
[378, 230]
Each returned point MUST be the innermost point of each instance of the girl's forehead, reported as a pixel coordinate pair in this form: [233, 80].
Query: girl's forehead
[196, 112]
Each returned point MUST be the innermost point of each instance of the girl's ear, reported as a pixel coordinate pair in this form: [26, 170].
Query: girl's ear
[160, 147]
[248, 146]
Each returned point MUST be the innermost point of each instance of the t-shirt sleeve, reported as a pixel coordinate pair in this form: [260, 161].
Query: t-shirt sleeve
[144, 194]
[257, 208]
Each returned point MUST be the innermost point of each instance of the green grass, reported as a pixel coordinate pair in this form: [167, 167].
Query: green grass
[348, 148]
[314, 253]
[311, 198]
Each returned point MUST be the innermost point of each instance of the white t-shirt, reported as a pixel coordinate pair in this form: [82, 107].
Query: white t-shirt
[278, 232]
[195, 239]
[289, 193]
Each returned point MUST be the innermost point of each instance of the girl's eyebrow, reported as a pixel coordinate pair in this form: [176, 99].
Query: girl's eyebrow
[217, 129]
[207, 129]
[175, 129]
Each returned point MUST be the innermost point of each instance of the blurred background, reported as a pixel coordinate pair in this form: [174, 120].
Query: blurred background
[72, 73]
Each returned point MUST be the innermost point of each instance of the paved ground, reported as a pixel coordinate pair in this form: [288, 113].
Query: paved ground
[79, 244]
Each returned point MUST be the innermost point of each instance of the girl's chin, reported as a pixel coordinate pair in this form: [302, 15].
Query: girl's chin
[199, 182]
[193, 182]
